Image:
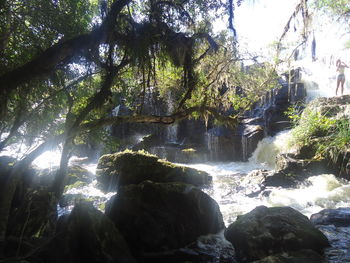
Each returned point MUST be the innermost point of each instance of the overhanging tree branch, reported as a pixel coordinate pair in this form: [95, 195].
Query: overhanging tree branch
[58, 54]
[157, 119]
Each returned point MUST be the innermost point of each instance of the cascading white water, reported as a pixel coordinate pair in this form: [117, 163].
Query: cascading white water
[233, 191]
[268, 149]
[318, 63]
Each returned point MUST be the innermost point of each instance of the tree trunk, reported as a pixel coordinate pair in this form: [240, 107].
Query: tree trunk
[61, 175]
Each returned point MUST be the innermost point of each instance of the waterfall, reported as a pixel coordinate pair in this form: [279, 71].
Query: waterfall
[317, 63]
[268, 149]
[171, 133]
[213, 145]
[244, 142]
[171, 130]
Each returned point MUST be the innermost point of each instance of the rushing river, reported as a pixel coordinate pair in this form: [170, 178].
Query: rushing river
[233, 191]
[237, 193]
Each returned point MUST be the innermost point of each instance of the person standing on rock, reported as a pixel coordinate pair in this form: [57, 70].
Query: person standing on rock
[341, 76]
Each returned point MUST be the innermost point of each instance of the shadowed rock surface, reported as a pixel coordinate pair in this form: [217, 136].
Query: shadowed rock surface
[163, 216]
[337, 217]
[86, 235]
[267, 231]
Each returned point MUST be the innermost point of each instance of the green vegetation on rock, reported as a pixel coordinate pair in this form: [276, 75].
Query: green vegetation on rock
[130, 167]
[322, 131]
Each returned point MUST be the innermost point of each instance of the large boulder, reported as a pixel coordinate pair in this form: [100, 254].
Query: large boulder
[86, 235]
[339, 217]
[129, 167]
[162, 216]
[267, 231]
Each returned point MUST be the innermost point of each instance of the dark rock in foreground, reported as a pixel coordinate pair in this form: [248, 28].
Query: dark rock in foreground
[267, 231]
[301, 256]
[339, 217]
[163, 216]
[206, 249]
[36, 216]
[86, 235]
[129, 167]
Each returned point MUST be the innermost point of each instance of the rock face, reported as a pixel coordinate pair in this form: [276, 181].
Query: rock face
[339, 217]
[86, 235]
[129, 167]
[161, 216]
[267, 231]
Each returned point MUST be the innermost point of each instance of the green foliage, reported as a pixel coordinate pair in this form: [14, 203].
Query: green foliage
[294, 113]
[29, 27]
[169, 54]
[337, 7]
[328, 136]
[338, 141]
[310, 124]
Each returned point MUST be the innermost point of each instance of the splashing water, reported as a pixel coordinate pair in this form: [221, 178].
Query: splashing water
[267, 150]
[235, 196]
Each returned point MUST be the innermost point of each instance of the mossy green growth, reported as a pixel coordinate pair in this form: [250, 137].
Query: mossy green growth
[323, 132]
[77, 184]
[189, 150]
[309, 125]
[130, 167]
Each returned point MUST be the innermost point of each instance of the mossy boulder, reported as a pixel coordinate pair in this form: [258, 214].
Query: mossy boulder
[161, 216]
[267, 231]
[130, 167]
[86, 235]
[77, 176]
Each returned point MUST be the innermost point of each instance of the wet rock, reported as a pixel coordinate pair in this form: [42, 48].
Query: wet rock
[86, 235]
[267, 231]
[147, 142]
[301, 256]
[257, 180]
[281, 179]
[333, 106]
[289, 163]
[209, 248]
[291, 171]
[226, 144]
[339, 238]
[253, 182]
[129, 167]
[337, 217]
[156, 217]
